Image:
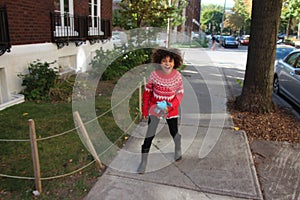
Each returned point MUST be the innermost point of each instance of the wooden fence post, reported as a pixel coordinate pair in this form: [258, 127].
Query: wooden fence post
[35, 156]
[87, 139]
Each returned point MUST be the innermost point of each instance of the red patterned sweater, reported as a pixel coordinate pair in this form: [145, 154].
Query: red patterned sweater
[160, 87]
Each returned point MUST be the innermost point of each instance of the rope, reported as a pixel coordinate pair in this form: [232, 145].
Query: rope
[53, 136]
[48, 178]
[14, 140]
[39, 139]
[17, 177]
[75, 171]
[68, 174]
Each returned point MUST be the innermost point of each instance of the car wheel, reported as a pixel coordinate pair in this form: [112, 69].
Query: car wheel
[276, 89]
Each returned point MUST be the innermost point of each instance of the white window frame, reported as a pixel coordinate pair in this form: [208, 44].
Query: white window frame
[95, 30]
[62, 28]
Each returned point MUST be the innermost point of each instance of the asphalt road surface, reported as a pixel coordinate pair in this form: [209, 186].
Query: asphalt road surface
[233, 63]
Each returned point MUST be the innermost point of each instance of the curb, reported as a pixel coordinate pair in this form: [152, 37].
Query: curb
[255, 176]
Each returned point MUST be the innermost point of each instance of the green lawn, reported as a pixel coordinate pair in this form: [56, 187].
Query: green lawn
[59, 155]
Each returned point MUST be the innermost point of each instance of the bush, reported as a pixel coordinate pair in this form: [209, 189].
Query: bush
[42, 83]
[38, 81]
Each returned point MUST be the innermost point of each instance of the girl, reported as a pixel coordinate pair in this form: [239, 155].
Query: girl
[161, 98]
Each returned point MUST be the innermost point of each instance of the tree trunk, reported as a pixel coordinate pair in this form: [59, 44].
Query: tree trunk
[258, 85]
[288, 27]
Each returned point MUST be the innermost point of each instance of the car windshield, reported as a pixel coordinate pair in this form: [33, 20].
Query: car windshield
[230, 38]
[282, 52]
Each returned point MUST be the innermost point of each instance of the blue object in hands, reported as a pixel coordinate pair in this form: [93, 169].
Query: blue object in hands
[162, 105]
[161, 108]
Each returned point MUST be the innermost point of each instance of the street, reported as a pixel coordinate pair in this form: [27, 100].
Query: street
[233, 64]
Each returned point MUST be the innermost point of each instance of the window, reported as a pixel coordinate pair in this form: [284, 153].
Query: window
[65, 20]
[64, 6]
[4, 32]
[94, 17]
[297, 65]
[291, 59]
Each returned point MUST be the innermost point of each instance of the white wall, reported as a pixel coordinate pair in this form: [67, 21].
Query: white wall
[68, 57]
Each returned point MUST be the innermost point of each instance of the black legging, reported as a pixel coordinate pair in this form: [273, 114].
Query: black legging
[152, 126]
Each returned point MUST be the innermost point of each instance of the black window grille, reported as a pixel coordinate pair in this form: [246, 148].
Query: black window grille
[67, 28]
[4, 32]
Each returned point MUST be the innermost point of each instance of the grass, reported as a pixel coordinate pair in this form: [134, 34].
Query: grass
[59, 155]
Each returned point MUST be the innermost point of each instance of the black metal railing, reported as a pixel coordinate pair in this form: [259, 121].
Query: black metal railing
[4, 32]
[68, 28]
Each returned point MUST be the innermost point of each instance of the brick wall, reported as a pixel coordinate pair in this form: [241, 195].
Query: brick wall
[106, 11]
[81, 7]
[29, 20]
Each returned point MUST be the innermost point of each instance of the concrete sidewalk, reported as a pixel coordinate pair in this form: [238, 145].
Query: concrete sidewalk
[217, 162]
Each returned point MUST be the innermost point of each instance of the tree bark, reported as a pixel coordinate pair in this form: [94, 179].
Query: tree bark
[258, 84]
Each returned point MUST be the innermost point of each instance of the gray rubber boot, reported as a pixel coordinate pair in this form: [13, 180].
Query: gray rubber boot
[142, 167]
[177, 141]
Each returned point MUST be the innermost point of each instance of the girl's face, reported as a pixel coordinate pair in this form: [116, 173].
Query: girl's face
[167, 65]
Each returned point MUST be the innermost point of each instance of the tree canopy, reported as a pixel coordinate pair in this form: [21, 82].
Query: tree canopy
[236, 20]
[240, 18]
[211, 17]
[153, 13]
[290, 15]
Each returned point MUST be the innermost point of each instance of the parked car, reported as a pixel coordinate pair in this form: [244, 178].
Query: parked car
[244, 39]
[230, 41]
[282, 50]
[287, 77]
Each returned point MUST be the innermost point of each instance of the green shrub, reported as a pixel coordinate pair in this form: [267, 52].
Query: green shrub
[42, 83]
[38, 81]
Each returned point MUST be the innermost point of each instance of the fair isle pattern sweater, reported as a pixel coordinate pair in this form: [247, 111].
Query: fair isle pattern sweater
[160, 87]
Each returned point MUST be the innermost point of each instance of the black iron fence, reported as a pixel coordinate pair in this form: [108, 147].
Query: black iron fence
[68, 28]
[4, 32]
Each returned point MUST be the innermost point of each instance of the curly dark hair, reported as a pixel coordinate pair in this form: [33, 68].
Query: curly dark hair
[160, 53]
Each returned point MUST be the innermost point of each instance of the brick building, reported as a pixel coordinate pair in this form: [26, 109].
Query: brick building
[66, 31]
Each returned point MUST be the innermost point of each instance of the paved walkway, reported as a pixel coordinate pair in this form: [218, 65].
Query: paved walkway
[217, 162]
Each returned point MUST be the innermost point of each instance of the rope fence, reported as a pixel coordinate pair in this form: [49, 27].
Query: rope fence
[34, 149]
